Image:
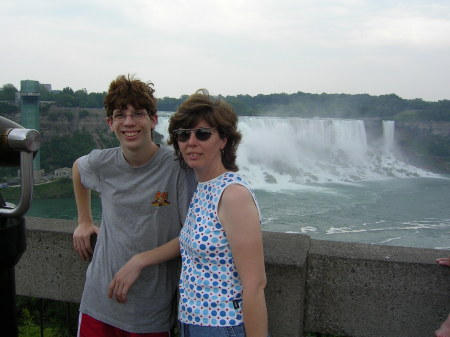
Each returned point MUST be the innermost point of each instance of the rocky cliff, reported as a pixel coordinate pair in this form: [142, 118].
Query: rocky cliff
[57, 121]
[426, 144]
[64, 121]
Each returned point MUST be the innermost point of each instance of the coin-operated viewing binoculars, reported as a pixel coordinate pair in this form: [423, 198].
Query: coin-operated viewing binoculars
[18, 146]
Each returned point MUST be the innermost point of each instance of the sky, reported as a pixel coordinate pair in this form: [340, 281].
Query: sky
[231, 47]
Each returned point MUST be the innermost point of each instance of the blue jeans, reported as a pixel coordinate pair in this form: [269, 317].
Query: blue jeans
[189, 330]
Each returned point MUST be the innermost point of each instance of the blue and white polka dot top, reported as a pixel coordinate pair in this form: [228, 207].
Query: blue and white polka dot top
[210, 289]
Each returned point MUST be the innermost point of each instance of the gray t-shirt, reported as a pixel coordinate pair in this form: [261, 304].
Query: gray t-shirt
[142, 208]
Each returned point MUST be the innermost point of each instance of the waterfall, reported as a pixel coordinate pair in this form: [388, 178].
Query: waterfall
[286, 153]
[388, 135]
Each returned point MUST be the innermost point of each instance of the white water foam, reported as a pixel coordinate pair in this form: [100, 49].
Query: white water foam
[288, 153]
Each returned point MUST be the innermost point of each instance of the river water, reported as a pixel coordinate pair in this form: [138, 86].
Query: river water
[411, 212]
[321, 177]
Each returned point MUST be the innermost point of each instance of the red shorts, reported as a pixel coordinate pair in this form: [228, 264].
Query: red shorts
[90, 327]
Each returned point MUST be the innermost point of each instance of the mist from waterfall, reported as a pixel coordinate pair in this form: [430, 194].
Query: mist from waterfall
[279, 153]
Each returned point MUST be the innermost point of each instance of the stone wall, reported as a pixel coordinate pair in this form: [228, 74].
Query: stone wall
[317, 286]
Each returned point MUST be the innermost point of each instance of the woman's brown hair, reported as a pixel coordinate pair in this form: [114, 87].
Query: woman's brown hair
[218, 114]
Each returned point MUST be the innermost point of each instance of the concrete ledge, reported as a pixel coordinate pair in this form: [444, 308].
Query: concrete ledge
[368, 290]
[285, 257]
[319, 286]
[50, 268]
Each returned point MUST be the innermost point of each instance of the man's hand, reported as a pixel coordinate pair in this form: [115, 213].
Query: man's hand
[82, 240]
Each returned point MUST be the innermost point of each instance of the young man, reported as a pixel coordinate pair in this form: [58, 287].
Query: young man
[132, 279]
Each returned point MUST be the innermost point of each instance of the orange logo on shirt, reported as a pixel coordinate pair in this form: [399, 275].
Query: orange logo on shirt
[161, 199]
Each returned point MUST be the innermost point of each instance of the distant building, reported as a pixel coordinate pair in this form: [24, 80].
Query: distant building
[47, 87]
[39, 174]
[63, 172]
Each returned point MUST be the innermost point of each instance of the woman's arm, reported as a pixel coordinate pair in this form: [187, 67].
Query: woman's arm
[128, 274]
[240, 219]
[443, 261]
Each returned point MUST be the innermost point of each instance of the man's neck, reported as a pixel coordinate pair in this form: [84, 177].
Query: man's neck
[140, 157]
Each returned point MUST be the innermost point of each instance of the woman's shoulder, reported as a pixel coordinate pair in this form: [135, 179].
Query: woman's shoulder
[236, 193]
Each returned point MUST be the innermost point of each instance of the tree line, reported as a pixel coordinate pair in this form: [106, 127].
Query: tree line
[298, 104]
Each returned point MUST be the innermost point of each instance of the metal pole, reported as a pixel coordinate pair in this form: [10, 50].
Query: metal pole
[12, 246]
[8, 300]
[14, 139]
[26, 188]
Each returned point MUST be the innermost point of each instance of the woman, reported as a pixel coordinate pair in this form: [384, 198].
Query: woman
[223, 277]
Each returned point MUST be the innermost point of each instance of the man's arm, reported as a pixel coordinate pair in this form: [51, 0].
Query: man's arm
[128, 274]
[85, 229]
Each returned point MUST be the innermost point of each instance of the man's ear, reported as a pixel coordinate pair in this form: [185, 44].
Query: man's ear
[154, 120]
[109, 121]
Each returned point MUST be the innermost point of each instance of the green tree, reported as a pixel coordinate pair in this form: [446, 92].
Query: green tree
[68, 91]
[81, 98]
[8, 93]
[28, 327]
[46, 95]
[7, 109]
[95, 100]
[65, 98]
[281, 104]
[168, 103]
[59, 319]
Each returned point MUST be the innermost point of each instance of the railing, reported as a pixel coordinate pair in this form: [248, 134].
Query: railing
[339, 288]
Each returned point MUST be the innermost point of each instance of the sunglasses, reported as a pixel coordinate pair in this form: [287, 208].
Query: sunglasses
[202, 134]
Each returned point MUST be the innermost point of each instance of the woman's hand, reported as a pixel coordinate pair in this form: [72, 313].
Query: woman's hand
[444, 261]
[124, 279]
